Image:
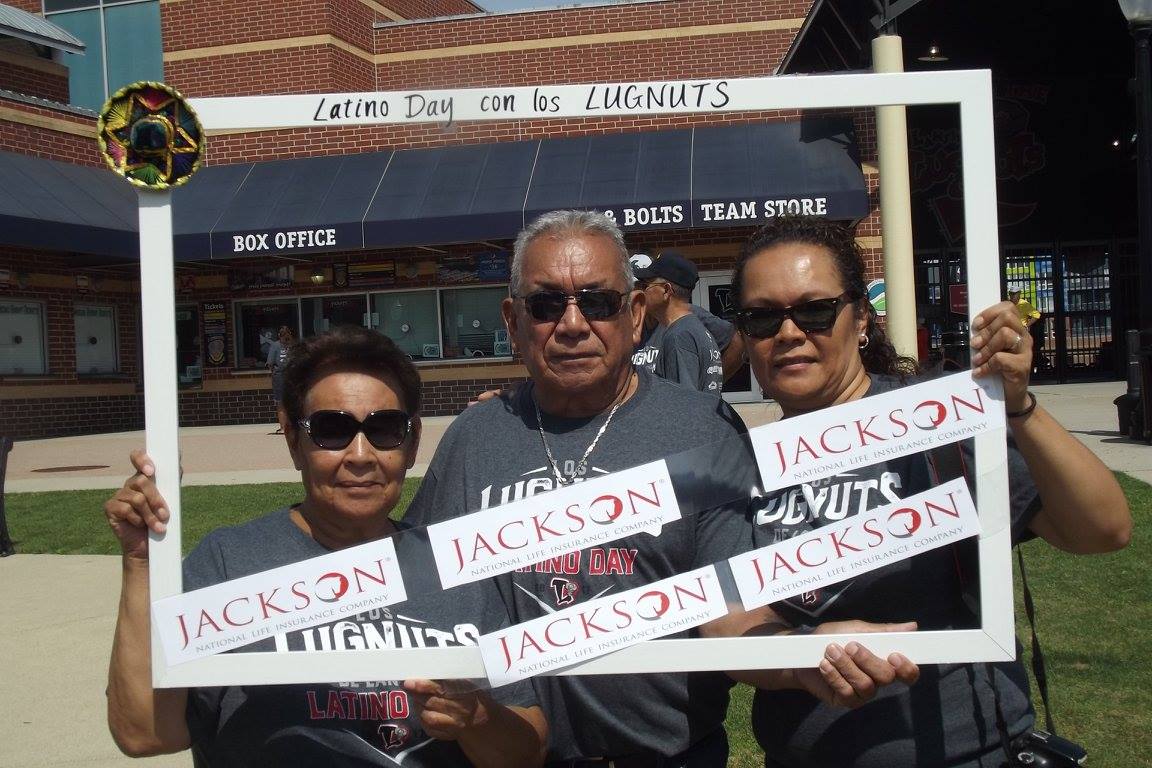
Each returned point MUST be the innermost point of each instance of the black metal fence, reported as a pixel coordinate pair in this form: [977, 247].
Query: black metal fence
[1086, 293]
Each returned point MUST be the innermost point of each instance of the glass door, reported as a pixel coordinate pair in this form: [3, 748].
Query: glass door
[714, 293]
[189, 366]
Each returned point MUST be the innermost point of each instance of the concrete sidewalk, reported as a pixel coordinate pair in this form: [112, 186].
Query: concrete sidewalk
[252, 453]
[57, 612]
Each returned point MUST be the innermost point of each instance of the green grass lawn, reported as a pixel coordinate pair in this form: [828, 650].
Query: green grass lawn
[1093, 612]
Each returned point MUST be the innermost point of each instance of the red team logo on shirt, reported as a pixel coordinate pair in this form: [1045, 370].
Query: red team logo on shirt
[392, 735]
[564, 591]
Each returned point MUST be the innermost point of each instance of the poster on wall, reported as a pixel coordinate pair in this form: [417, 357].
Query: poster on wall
[492, 267]
[215, 333]
[878, 297]
[248, 279]
[376, 273]
[487, 267]
[422, 269]
[455, 269]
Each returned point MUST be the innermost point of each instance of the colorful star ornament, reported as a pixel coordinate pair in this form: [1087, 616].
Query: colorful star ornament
[150, 136]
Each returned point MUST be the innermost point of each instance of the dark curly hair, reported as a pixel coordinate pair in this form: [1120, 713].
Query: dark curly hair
[347, 348]
[879, 356]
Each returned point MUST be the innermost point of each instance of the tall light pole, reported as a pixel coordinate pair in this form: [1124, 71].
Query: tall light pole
[1139, 15]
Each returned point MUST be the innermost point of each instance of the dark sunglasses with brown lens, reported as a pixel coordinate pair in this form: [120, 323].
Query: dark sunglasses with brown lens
[593, 303]
[810, 316]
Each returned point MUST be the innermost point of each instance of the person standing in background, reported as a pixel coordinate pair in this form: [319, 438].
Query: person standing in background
[275, 362]
[681, 349]
[1030, 317]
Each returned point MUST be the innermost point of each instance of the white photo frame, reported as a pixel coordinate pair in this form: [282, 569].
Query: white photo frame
[971, 90]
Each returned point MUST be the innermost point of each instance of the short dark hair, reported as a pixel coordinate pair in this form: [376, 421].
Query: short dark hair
[347, 348]
[879, 356]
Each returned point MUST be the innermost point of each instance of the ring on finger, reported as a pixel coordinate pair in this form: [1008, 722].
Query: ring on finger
[1016, 344]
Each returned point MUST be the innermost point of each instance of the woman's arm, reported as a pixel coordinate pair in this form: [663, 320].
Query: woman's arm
[143, 720]
[491, 734]
[1083, 510]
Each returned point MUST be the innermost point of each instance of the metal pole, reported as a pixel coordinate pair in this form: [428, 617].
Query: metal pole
[6, 547]
[895, 204]
[1142, 33]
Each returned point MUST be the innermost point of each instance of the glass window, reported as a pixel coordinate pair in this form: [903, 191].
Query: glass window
[324, 312]
[86, 87]
[473, 325]
[189, 365]
[51, 6]
[409, 319]
[96, 341]
[257, 324]
[132, 44]
[122, 46]
[22, 338]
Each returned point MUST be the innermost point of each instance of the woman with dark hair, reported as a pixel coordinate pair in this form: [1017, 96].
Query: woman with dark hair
[813, 342]
[350, 415]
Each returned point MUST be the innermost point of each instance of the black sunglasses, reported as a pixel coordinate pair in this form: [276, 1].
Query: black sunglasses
[593, 303]
[815, 315]
[334, 430]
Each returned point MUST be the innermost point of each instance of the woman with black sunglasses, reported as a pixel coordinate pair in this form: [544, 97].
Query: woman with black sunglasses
[350, 418]
[813, 342]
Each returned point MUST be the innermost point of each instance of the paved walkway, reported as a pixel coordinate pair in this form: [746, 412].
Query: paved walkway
[57, 613]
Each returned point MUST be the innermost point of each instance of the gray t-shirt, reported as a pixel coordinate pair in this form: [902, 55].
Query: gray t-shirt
[948, 717]
[722, 330]
[683, 353]
[493, 454]
[339, 723]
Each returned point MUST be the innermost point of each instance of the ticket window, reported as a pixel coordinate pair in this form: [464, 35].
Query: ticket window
[410, 319]
[257, 325]
[326, 312]
[22, 338]
[472, 322]
[189, 363]
[96, 341]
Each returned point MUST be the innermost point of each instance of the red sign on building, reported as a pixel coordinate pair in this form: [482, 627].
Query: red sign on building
[958, 299]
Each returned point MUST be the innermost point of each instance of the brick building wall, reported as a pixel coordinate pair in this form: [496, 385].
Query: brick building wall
[32, 76]
[53, 133]
[32, 6]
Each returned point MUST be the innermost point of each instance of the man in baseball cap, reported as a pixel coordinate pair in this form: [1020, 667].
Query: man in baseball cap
[680, 348]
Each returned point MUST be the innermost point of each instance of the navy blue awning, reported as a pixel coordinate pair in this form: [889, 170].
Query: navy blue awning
[65, 207]
[734, 175]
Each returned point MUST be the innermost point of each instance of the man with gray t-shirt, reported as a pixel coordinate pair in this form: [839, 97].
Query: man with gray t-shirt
[681, 349]
[587, 412]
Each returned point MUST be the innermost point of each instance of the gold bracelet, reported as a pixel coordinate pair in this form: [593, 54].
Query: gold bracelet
[1026, 410]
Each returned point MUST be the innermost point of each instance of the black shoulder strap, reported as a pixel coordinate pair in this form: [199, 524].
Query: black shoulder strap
[946, 462]
[1039, 671]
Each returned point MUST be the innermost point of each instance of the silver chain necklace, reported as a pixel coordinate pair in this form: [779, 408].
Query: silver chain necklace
[581, 465]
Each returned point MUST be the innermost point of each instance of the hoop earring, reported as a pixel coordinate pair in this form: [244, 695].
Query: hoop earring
[864, 341]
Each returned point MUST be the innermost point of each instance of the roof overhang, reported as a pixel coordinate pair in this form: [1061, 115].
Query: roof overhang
[37, 30]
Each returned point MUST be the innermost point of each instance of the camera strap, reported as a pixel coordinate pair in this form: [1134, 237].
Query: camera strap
[947, 463]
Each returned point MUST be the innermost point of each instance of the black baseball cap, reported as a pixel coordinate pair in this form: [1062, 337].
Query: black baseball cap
[673, 266]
